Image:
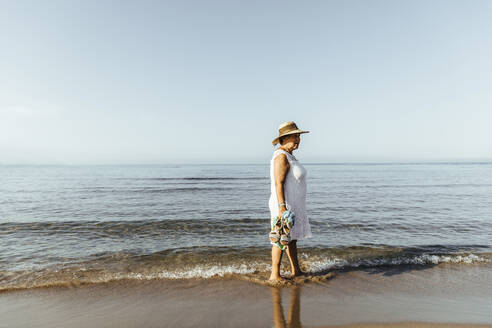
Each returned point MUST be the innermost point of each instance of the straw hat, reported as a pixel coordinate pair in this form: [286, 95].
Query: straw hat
[287, 128]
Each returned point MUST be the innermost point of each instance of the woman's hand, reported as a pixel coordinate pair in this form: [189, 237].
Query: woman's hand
[281, 210]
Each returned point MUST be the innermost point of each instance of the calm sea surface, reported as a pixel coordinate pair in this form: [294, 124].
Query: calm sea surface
[62, 224]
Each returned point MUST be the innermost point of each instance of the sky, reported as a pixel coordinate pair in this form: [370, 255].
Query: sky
[158, 82]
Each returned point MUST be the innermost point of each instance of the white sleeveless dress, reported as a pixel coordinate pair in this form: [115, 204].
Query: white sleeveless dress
[294, 193]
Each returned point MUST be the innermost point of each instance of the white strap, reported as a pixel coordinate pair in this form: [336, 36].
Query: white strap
[289, 155]
[283, 151]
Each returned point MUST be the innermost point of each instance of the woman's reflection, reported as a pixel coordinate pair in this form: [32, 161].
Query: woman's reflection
[294, 308]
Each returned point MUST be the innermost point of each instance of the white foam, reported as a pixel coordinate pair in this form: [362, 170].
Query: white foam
[336, 263]
[207, 271]
[201, 271]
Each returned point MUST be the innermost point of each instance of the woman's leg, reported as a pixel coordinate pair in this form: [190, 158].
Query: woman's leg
[276, 258]
[294, 263]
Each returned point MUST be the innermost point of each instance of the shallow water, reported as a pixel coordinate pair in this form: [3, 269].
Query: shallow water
[70, 223]
[444, 294]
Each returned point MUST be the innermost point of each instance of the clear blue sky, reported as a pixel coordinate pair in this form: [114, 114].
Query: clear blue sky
[101, 82]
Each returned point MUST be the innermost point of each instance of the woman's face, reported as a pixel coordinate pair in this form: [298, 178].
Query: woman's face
[292, 141]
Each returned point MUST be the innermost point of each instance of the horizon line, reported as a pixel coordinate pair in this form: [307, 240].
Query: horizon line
[393, 162]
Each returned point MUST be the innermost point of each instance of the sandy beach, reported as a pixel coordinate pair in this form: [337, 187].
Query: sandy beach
[426, 296]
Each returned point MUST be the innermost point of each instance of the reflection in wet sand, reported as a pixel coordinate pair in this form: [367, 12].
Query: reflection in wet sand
[294, 315]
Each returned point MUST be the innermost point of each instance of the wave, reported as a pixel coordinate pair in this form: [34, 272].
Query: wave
[138, 227]
[200, 178]
[153, 189]
[253, 226]
[228, 262]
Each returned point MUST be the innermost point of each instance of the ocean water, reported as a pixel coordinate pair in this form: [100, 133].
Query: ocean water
[74, 224]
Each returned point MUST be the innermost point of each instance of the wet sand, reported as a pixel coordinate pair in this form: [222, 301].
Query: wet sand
[415, 296]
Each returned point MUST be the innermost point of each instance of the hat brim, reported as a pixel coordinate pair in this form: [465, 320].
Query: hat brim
[275, 141]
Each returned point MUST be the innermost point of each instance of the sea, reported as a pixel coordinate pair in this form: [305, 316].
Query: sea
[70, 225]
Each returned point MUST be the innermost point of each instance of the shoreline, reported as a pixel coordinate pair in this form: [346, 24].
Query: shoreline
[251, 264]
[438, 296]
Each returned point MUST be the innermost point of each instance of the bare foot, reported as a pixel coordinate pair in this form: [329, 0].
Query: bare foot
[277, 279]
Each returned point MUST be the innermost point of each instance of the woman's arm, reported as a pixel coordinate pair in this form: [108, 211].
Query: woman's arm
[281, 168]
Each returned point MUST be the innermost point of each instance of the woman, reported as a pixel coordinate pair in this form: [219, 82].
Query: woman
[288, 193]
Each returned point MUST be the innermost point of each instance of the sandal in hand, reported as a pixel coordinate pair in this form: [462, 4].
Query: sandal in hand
[288, 221]
[274, 235]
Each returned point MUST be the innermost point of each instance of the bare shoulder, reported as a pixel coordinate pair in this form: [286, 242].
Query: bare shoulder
[281, 159]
